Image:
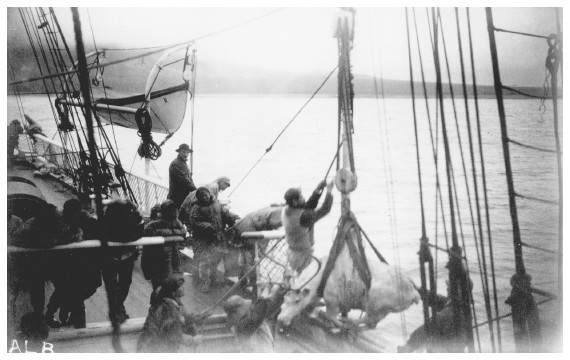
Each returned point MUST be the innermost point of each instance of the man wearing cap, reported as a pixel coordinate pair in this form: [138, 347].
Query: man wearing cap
[299, 217]
[249, 320]
[215, 187]
[209, 220]
[179, 177]
[168, 325]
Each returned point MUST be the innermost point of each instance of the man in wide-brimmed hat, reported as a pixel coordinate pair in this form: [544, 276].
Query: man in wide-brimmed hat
[249, 320]
[179, 176]
[168, 325]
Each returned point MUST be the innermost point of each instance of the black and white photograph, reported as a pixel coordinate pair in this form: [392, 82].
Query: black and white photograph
[284, 177]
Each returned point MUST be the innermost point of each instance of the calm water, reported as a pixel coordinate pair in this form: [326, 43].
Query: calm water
[232, 133]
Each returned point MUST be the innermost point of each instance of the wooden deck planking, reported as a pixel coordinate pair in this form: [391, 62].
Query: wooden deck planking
[137, 302]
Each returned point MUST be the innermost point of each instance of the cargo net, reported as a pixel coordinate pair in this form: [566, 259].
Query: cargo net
[274, 259]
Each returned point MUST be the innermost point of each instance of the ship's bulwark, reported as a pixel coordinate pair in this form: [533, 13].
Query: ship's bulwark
[235, 131]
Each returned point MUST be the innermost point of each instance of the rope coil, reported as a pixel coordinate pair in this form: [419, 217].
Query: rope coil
[148, 149]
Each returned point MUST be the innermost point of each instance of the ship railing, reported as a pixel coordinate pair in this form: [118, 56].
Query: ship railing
[270, 247]
[147, 191]
[39, 147]
[271, 253]
[85, 244]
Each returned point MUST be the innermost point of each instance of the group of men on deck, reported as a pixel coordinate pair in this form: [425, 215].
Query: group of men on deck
[188, 208]
[208, 219]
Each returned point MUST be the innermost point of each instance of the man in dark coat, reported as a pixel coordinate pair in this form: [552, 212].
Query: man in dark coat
[209, 220]
[160, 261]
[180, 182]
[47, 229]
[122, 223]
[83, 270]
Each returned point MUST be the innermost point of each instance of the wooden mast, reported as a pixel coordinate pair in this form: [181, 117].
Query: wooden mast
[84, 82]
[345, 179]
[526, 323]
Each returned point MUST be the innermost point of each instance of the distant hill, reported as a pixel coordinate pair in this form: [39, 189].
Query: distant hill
[223, 78]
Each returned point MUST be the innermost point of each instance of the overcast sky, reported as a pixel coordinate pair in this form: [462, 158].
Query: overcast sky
[300, 39]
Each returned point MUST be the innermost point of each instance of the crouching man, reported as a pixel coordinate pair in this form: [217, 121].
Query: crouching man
[251, 321]
[167, 325]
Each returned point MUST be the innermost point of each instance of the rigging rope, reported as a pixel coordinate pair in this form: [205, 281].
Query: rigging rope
[531, 147]
[522, 93]
[484, 177]
[456, 283]
[538, 248]
[388, 180]
[452, 96]
[520, 33]
[424, 235]
[425, 254]
[71, 72]
[536, 199]
[282, 131]
[434, 144]
[27, 19]
[20, 109]
[104, 89]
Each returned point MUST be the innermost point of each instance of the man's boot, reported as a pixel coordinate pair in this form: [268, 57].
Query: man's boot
[78, 315]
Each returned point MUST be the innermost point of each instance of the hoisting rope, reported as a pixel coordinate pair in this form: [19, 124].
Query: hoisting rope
[345, 225]
[282, 131]
[335, 157]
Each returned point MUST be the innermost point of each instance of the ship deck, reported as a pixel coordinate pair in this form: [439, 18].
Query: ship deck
[304, 338]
